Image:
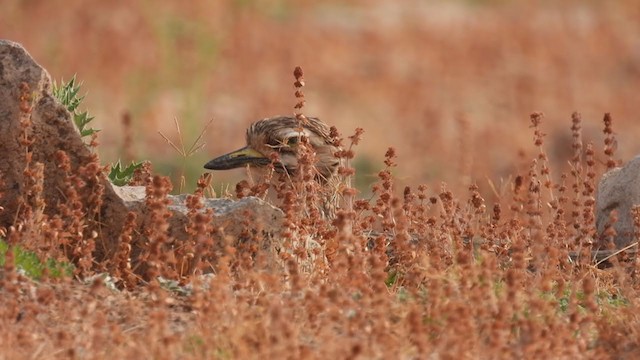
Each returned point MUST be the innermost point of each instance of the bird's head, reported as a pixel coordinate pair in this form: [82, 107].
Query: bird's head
[282, 135]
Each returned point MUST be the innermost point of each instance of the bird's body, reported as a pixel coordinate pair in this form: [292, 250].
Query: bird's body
[279, 138]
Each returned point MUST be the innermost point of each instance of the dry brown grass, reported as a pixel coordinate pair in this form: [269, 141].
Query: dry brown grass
[466, 268]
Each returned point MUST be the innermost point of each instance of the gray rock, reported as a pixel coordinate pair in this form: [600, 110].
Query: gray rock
[131, 195]
[230, 216]
[252, 224]
[619, 190]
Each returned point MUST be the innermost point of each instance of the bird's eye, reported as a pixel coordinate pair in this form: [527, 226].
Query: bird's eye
[292, 140]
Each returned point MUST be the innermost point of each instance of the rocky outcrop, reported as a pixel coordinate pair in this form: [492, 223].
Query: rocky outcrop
[51, 130]
[244, 220]
[619, 191]
[234, 216]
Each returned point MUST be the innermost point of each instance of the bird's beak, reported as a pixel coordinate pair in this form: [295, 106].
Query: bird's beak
[238, 158]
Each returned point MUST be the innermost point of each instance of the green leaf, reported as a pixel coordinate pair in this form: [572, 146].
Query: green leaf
[122, 176]
[67, 94]
[392, 277]
[29, 262]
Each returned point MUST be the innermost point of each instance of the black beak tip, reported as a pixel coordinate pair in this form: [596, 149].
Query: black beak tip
[212, 165]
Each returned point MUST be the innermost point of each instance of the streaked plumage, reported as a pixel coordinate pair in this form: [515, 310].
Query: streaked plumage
[281, 135]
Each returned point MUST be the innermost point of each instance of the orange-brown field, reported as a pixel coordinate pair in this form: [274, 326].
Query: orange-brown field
[485, 198]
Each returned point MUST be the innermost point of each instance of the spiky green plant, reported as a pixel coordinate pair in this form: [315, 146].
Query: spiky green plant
[68, 94]
[120, 175]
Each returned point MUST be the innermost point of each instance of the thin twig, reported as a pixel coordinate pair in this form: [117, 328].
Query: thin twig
[616, 253]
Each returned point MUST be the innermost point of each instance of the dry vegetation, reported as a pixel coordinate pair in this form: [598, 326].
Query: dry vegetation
[470, 268]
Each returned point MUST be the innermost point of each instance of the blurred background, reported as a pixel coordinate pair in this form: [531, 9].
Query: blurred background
[449, 84]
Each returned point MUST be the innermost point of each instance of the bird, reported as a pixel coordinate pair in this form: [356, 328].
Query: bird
[281, 135]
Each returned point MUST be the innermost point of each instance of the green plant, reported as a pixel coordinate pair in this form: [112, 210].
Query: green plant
[67, 94]
[121, 176]
[32, 266]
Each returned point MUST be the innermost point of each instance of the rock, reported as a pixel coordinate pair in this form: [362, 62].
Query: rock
[619, 190]
[53, 130]
[252, 224]
[233, 217]
[131, 195]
